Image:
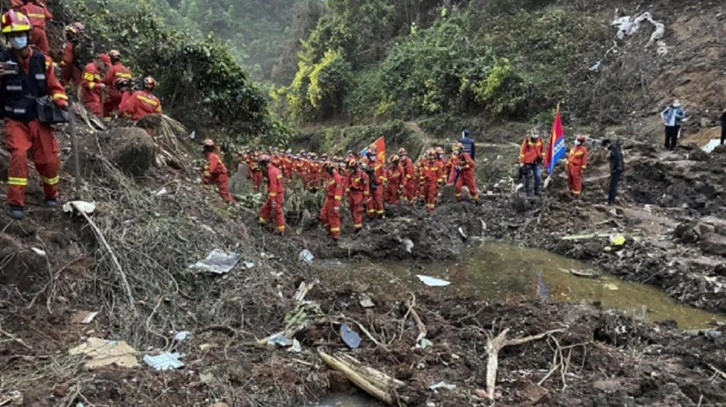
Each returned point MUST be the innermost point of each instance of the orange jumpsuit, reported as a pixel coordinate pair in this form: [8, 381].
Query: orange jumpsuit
[330, 214]
[113, 100]
[91, 93]
[358, 192]
[313, 174]
[215, 173]
[464, 165]
[375, 204]
[37, 16]
[395, 184]
[275, 199]
[576, 162]
[139, 104]
[431, 177]
[409, 181]
[70, 72]
[23, 131]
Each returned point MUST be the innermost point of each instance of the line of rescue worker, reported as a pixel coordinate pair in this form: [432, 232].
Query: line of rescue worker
[366, 184]
[363, 182]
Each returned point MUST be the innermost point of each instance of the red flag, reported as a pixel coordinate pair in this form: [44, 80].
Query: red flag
[380, 145]
[556, 143]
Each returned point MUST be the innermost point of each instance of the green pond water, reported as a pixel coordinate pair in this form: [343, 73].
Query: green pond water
[497, 272]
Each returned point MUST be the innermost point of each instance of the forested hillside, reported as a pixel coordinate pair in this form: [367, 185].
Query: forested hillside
[256, 32]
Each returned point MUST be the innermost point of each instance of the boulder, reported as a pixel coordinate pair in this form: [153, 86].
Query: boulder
[716, 222]
[702, 229]
[713, 243]
[131, 149]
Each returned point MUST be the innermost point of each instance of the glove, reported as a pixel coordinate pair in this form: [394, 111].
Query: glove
[61, 103]
[336, 208]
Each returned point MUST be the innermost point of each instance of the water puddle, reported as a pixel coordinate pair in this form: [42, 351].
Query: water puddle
[344, 400]
[497, 272]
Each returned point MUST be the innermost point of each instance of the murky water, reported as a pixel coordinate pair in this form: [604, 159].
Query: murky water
[497, 272]
[344, 400]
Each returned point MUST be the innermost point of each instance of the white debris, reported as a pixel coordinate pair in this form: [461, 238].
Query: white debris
[182, 335]
[442, 385]
[164, 361]
[306, 256]
[217, 262]
[79, 206]
[37, 251]
[408, 244]
[433, 282]
[629, 25]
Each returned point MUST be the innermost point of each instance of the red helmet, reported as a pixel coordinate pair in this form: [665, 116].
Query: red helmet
[150, 83]
[208, 142]
[15, 22]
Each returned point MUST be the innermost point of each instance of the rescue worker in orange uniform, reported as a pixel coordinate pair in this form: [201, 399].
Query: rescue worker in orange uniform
[273, 206]
[462, 173]
[215, 173]
[32, 77]
[330, 214]
[38, 15]
[256, 174]
[378, 180]
[431, 179]
[358, 192]
[142, 102]
[576, 164]
[92, 83]
[394, 173]
[116, 73]
[71, 72]
[531, 157]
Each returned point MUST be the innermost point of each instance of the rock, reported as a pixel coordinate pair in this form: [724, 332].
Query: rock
[607, 386]
[718, 223]
[131, 149]
[713, 244]
[701, 229]
[698, 155]
[720, 270]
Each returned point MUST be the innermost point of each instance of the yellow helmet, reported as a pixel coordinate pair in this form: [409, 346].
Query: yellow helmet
[15, 22]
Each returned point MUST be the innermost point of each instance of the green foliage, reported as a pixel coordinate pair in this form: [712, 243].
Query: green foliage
[200, 82]
[508, 59]
[328, 83]
[255, 32]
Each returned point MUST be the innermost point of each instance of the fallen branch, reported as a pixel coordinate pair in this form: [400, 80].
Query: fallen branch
[718, 372]
[410, 304]
[116, 263]
[16, 339]
[497, 344]
[375, 383]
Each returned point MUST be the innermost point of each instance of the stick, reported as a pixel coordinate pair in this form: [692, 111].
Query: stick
[120, 270]
[421, 327]
[74, 147]
[720, 373]
[493, 348]
[357, 379]
[16, 339]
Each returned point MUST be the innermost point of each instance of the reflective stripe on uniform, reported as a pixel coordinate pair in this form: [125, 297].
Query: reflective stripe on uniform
[334, 230]
[18, 182]
[272, 194]
[147, 100]
[50, 181]
[263, 220]
[281, 228]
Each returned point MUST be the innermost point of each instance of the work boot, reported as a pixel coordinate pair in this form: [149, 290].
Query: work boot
[51, 202]
[15, 212]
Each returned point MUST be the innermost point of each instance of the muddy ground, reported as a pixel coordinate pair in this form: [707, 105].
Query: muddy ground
[672, 243]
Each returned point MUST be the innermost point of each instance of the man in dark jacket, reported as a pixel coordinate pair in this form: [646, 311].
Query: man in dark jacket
[468, 143]
[723, 127]
[616, 167]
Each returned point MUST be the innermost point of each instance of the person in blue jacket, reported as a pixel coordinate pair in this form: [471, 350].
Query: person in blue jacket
[468, 143]
[672, 117]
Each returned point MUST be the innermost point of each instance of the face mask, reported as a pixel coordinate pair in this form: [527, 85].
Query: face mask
[578, 143]
[535, 136]
[19, 42]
